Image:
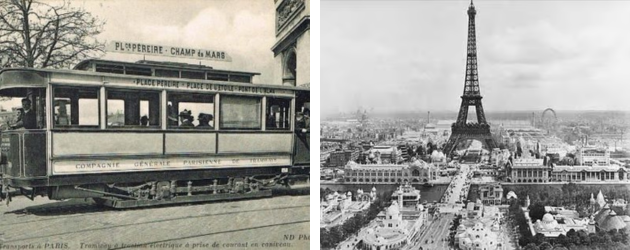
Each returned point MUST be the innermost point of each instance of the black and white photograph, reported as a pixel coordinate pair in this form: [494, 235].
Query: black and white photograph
[472, 125]
[155, 124]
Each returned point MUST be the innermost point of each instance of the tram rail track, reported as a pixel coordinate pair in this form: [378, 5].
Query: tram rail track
[104, 209]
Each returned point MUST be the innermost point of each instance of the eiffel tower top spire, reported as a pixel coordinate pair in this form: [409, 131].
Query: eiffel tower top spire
[471, 9]
[471, 86]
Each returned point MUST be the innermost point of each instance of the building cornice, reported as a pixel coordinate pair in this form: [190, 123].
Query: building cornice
[292, 35]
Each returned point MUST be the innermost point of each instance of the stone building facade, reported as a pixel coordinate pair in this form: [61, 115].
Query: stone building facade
[292, 47]
[418, 172]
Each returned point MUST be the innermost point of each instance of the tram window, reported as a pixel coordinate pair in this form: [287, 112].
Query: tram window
[133, 109]
[240, 78]
[240, 112]
[278, 114]
[108, 68]
[138, 71]
[115, 112]
[193, 75]
[76, 107]
[218, 77]
[167, 73]
[188, 110]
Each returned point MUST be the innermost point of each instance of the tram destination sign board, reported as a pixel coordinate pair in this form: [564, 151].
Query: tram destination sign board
[161, 50]
[178, 84]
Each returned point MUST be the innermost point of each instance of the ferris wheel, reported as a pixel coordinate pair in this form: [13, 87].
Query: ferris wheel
[549, 119]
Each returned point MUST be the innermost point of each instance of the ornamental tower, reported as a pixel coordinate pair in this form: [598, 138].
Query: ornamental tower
[460, 130]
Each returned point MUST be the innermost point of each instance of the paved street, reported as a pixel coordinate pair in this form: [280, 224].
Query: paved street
[78, 223]
[458, 189]
[433, 235]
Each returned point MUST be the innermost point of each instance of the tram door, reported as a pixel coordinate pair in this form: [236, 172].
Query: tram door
[23, 144]
[302, 129]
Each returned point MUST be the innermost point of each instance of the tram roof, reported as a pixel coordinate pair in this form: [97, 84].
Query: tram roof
[160, 64]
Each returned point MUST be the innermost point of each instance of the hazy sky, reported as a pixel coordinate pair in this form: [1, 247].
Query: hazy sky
[411, 55]
[244, 29]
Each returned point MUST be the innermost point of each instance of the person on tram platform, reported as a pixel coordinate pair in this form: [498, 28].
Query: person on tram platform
[303, 120]
[205, 120]
[27, 118]
[307, 119]
[186, 119]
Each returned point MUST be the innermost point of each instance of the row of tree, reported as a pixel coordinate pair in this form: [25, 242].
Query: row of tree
[569, 195]
[451, 237]
[331, 237]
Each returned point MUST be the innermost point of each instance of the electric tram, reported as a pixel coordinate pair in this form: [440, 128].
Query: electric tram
[149, 133]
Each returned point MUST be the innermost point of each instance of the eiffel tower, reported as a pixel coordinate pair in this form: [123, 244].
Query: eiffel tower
[460, 130]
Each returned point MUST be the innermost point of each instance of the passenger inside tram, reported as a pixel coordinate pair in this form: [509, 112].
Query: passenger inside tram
[27, 118]
[205, 120]
[76, 108]
[13, 120]
[188, 106]
[186, 119]
[172, 115]
[61, 114]
[271, 118]
[144, 121]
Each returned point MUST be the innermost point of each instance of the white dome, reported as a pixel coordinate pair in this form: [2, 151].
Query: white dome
[393, 209]
[548, 218]
[351, 164]
[417, 163]
[510, 195]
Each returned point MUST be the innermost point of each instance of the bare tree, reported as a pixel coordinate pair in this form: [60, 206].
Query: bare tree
[37, 34]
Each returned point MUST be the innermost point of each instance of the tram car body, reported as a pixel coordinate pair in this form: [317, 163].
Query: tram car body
[121, 133]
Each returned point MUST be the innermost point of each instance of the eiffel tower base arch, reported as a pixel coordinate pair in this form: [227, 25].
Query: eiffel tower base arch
[463, 132]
